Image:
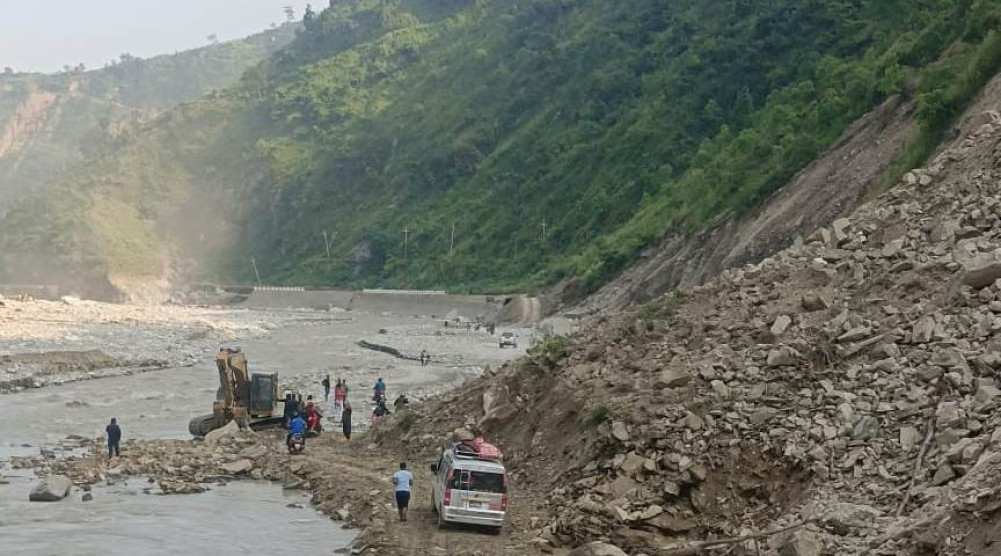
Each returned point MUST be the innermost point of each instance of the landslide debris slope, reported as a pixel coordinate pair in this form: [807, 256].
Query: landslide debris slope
[850, 381]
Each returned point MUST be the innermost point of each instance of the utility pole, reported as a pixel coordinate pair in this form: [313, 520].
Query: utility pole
[253, 261]
[451, 244]
[406, 241]
[543, 229]
[326, 243]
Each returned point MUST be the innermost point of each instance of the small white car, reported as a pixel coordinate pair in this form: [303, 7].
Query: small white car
[469, 489]
[508, 339]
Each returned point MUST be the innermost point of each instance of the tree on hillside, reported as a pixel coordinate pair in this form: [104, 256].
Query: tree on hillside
[8, 70]
[290, 14]
[213, 38]
[309, 16]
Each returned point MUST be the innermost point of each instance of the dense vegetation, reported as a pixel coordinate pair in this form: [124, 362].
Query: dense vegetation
[556, 138]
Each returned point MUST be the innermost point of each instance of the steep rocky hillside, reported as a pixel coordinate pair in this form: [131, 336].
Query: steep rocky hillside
[846, 388]
[494, 145]
[48, 123]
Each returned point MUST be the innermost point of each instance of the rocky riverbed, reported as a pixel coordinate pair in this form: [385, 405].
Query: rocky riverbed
[154, 408]
[54, 342]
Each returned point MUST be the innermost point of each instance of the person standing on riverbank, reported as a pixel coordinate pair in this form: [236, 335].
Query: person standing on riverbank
[114, 438]
[402, 479]
[326, 388]
[346, 420]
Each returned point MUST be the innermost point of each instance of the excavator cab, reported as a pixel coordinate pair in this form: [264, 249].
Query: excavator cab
[251, 400]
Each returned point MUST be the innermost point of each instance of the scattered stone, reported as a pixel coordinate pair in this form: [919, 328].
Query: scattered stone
[840, 228]
[813, 303]
[801, 543]
[619, 431]
[943, 475]
[671, 524]
[598, 548]
[909, 438]
[238, 467]
[783, 357]
[923, 330]
[855, 334]
[865, 428]
[672, 377]
[780, 325]
[254, 452]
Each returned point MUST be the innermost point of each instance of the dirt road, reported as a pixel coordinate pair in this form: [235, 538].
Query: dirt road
[345, 474]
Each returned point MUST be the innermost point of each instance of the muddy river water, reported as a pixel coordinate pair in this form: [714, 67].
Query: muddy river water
[230, 519]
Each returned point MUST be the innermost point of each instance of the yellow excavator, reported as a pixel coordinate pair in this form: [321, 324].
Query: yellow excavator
[251, 400]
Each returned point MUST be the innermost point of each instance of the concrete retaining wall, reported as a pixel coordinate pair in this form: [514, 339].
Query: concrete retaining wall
[417, 304]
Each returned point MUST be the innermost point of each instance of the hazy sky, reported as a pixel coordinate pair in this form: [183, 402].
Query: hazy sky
[44, 35]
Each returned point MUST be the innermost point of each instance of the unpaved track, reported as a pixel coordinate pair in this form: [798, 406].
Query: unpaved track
[345, 472]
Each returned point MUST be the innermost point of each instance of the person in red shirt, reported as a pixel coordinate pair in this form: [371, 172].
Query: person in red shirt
[313, 415]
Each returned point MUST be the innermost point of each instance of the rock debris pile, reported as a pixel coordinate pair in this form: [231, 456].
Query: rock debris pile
[847, 387]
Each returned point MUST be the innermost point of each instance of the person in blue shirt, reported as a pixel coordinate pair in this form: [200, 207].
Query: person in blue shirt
[296, 426]
[403, 479]
[380, 390]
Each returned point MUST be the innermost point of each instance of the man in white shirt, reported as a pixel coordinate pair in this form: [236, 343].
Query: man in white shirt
[403, 479]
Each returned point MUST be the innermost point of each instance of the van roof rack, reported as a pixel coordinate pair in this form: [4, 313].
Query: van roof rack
[463, 451]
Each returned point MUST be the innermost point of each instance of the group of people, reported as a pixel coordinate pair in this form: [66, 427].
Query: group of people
[342, 407]
[340, 391]
[308, 411]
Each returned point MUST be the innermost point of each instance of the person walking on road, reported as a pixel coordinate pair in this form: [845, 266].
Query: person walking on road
[114, 438]
[403, 479]
[326, 388]
[346, 420]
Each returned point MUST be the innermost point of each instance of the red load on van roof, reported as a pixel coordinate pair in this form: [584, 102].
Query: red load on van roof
[479, 449]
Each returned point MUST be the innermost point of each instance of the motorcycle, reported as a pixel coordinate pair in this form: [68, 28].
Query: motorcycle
[314, 431]
[296, 444]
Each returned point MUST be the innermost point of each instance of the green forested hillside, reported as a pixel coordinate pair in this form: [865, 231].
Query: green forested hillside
[557, 138]
[50, 122]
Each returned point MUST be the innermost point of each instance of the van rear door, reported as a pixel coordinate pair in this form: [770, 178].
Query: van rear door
[479, 490]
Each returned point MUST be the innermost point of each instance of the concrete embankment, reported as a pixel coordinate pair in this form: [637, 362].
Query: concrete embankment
[403, 303]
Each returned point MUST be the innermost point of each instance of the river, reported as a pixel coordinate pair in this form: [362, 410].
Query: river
[231, 519]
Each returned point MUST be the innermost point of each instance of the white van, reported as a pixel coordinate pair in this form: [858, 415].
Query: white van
[469, 488]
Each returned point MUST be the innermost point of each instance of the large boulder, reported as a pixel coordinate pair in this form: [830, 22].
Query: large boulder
[229, 431]
[983, 272]
[51, 489]
[237, 467]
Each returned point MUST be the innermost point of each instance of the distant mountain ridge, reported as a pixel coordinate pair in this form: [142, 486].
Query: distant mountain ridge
[49, 122]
